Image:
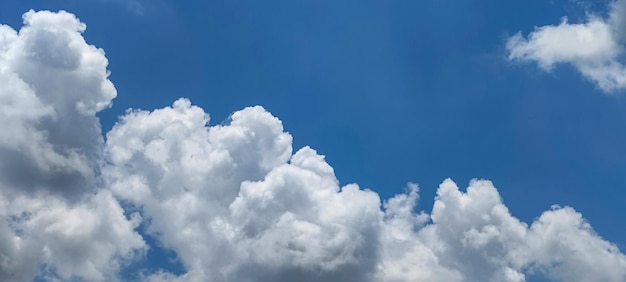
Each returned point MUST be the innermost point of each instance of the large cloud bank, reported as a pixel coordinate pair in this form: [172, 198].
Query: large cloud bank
[232, 201]
[595, 47]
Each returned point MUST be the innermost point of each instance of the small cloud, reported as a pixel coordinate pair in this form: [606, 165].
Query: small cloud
[135, 7]
[594, 47]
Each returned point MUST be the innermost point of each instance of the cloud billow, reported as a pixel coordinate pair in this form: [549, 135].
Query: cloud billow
[232, 201]
[55, 223]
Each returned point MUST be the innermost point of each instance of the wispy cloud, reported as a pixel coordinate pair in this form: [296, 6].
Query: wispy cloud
[134, 6]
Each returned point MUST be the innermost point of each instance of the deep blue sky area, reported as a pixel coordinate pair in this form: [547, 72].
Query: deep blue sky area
[390, 91]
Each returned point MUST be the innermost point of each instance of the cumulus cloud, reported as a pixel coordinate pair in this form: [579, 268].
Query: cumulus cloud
[232, 201]
[53, 221]
[235, 205]
[244, 207]
[594, 47]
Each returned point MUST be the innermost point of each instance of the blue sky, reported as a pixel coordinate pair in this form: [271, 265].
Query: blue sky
[390, 92]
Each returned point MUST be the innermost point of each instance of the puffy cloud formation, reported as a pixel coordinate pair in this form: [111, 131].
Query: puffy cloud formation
[235, 205]
[594, 47]
[53, 221]
[232, 201]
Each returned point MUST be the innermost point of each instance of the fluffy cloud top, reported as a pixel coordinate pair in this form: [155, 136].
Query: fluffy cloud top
[232, 201]
[594, 47]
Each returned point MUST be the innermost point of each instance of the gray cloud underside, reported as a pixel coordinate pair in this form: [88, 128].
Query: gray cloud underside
[233, 201]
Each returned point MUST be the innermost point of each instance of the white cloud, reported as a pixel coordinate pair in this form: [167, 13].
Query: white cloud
[88, 239]
[594, 47]
[474, 233]
[52, 217]
[241, 210]
[53, 84]
[234, 207]
[232, 200]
